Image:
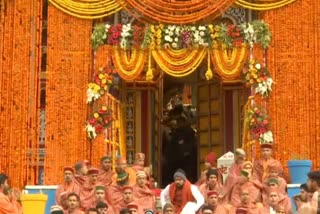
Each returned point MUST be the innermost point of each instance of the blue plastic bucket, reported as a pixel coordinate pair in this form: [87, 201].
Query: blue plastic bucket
[298, 170]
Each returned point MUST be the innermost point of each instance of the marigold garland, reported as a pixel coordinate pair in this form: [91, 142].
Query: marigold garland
[263, 5]
[129, 64]
[177, 63]
[188, 11]
[91, 9]
[227, 65]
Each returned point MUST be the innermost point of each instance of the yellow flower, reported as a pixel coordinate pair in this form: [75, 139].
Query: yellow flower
[101, 76]
[91, 85]
[210, 27]
[212, 36]
[101, 91]
[95, 115]
[159, 41]
[152, 44]
[97, 87]
[109, 81]
[104, 108]
[217, 28]
[248, 77]
[251, 81]
[161, 26]
[251, 61]
[255, 76]
[259, 80]
[105, 88]
[152, 28]
[104, 81]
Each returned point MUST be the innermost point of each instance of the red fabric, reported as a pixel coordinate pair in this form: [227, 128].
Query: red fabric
[144, 197]
[123, 205]
[204, 189]
[211, 158]
[185, 194]
[105, 177]
[116, 193]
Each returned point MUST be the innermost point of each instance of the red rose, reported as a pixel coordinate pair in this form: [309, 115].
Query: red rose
[92, 121]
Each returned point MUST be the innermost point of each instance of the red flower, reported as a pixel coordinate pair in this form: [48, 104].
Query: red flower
[92, 121]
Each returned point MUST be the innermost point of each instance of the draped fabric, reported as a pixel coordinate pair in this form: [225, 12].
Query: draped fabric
[20, 51]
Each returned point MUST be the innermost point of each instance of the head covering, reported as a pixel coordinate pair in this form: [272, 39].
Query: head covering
[93, 171]
[181, 174]
[141, 174]
[106, 157]
[244, 173]
[212, 192]
[240, 152]
[211, 158]
[86, 162]
[212, 172]
[56, 208]
[266, 146]
[168, 205]
[241, 210]
[247, 163]
[275, 167]
[68, 168]
[100, 187]
[273, 180]
[127, 187]
[121, 161]
[140, 156]
[132, 206]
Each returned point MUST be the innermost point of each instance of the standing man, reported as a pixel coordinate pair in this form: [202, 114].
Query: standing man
[314, 186]
[261, 167]
[67, 187]
[8, 202]
[105, 172]
[234, 170]
[142, 194]
[181, 193]
[87, 192]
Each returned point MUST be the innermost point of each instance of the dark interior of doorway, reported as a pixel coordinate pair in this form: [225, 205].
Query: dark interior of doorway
[179, 144]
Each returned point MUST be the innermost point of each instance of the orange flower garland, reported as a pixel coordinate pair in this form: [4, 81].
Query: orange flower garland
[173, 12]
[228, 65]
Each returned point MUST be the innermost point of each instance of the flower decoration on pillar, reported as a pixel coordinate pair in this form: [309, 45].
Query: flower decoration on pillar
[98, 122]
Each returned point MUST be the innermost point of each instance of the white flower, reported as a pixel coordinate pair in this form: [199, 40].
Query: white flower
[167, 38]
[177, 30]
[174, 45]
[171, 27]
[107, 26]
[166, 31]
[170, 33]
[91, 131]
[201, 27]
[176, 39]
[170, 40]
[269, 83]
[266, 137]
[201, 42]
[92, 96]
[193, 28]
[258, 66]
[201, 33]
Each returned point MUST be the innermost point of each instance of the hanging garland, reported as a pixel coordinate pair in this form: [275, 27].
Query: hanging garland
[129, 65]
[228, 63]
[188, 11]
[91, 9]
[263, 5]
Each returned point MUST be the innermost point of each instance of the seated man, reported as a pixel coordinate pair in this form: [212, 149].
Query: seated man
[141, 192]
[206, 210]
[100, 196]
[105, 172]
[102, 207]
[92, 211]
[133, 208]
[210, 163]
[127, 198]
[211, 183]
[276, 199]
[302, 201]
[182, 194]
[74, 204]
[168, 208]
[8, 200]
[87, 191]
[212, 202]
[246, 204]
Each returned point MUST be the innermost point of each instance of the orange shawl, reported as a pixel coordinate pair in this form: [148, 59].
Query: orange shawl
[186, 195]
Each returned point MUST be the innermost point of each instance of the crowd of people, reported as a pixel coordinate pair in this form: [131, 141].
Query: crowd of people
[250, 188]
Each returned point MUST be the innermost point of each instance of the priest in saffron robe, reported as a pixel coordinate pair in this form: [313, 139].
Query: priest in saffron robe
[80, 175]
[121, 169]
[127, 198]
[87, 191]
[101, 196]
[212, 183]
[105, 172]
[213, 202]
[234, 170]
[181, 193]
[246, 204]
[74, 205]
[261, 167]
[210, 163]
[142, 193]
[134, 209]
[244, 183]
[8, 200]
[67, 187]
[276, 199]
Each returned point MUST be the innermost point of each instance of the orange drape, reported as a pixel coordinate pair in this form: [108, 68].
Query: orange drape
[294, 62]
[68, 71]
[20, 32]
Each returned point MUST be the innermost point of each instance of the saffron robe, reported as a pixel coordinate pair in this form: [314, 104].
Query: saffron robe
[281, 187]
[204, 189]
[144, 197]
[110, 209]
[251, 209]
[261, 168]
[219, 209]
[65, 189]
[9, 207]
[284, 201]
[232, 179]
[132, 177]
[123, 205]
[105, 177]
[254, 191]
[115, 191]
[87, 195]
[76, 211]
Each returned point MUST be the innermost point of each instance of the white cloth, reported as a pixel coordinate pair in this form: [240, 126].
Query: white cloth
[272, 211]
[193, 207]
